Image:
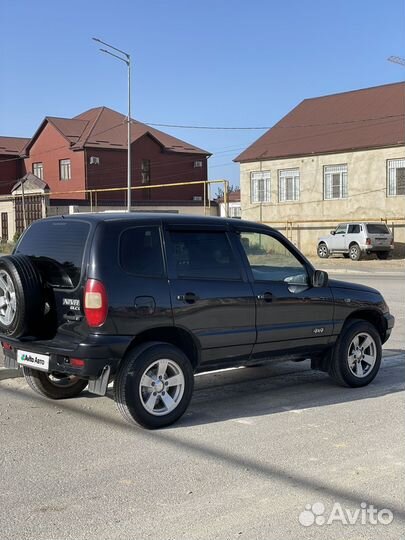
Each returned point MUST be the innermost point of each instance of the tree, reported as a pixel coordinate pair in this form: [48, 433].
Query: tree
[220, 191]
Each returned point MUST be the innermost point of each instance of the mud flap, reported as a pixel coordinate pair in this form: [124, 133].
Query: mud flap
[10, 362]
[99, 386]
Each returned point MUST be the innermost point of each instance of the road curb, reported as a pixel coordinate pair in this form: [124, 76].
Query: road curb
[6, 373]
[363, 272]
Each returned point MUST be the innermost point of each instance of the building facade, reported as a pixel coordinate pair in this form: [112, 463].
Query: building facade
[332, 159]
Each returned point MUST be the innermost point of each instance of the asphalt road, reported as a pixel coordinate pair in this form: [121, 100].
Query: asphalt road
[255, 447]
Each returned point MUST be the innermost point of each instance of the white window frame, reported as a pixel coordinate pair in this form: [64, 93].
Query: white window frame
[330, 172]
[65, 169]
[38, 169]
[260, 186]
[392, 180]
[285, 177]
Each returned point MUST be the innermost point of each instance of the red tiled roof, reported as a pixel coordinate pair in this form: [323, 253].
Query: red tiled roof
[360, 119]
[102, 127]
[108, 129]
[12, 145]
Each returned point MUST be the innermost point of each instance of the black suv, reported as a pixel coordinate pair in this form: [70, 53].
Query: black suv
[147, 300]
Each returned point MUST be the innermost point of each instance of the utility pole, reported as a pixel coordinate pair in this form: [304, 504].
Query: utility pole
[127, 61]
[23, 204]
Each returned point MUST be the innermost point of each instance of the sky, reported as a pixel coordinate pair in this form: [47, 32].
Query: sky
[213, 63]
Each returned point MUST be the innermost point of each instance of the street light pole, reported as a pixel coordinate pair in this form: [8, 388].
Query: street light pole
[127, 61]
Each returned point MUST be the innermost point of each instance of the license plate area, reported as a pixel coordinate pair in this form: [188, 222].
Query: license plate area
[33, 360]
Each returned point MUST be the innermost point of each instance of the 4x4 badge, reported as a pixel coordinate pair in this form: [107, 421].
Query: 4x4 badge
[318, 330]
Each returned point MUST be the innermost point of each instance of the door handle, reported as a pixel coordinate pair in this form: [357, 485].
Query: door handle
[189, 298]
[266, 297]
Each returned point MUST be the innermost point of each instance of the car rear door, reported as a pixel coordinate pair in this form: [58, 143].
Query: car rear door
[59, 247]
[379, 234]
[211, 295]
[292, 316]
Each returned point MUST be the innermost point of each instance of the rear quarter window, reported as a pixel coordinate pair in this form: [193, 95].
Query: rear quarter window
[57, 248]
[141, 251]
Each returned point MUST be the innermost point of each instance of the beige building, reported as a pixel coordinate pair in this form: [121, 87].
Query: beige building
[331, 159]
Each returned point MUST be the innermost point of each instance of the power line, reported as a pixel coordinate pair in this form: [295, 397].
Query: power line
[233, 128]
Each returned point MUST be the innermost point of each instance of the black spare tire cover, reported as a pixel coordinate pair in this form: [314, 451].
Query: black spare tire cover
[22, 302]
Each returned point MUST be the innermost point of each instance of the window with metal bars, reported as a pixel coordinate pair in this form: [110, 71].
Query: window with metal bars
[395, 177]
[288, 185]
[260, 186]
[335, 181]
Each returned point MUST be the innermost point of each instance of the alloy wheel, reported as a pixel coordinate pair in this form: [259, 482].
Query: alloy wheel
[161, 387]
[362, 355]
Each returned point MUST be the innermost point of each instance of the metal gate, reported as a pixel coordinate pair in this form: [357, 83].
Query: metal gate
[4, 227]
[33, 211]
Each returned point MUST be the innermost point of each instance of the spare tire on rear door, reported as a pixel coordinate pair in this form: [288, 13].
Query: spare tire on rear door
[22, 302]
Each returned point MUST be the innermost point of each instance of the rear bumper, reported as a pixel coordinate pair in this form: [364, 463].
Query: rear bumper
[97, 351]
[373, 248]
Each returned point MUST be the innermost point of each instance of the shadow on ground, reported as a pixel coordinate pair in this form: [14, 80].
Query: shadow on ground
[242, 393]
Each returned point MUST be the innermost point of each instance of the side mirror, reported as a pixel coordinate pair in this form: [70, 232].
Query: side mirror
[320, 278]
[332, 232]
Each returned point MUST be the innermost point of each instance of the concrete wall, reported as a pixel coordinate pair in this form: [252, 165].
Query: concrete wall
[311, 216]
[178, 209]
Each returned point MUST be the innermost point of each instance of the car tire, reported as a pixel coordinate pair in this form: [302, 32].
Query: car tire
[356, 357]
[323, 251]
[22, 301]
[354, 252]
[142, 389]
[54, 386]
[346, 255]
[383, 255]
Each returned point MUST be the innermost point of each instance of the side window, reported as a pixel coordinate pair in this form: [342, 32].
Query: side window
[341, 229]
[270, 260]
[141, 251]
[203, 254]
[353, 229]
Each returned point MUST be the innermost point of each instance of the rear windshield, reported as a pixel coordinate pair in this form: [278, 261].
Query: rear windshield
[377, 228]
[57, 248]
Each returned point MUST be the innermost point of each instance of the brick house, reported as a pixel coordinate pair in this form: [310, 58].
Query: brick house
[89, 152]
[331, 159]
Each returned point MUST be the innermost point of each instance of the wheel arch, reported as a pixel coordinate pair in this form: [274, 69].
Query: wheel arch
[373, 316]
[179, 337]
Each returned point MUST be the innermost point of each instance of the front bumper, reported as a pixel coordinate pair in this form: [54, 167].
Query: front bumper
[97, 351]
[390, 321]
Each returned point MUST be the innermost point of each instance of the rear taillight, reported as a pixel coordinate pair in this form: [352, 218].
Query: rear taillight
[95, 302]
[368, 241]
